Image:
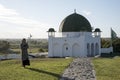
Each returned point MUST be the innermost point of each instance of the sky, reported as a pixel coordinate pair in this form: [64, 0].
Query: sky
[20, 18]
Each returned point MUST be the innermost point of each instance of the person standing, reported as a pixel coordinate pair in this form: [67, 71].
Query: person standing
[25, 58]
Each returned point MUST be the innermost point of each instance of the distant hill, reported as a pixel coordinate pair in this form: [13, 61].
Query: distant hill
[19, 40]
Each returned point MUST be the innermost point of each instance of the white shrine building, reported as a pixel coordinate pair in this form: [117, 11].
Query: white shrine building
[74, 39]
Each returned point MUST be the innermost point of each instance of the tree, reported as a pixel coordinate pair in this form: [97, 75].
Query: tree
[116, 45]
[4, 45]
[105, 43]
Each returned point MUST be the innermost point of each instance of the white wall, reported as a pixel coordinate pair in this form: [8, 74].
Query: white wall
[107, 50]
[73, 44]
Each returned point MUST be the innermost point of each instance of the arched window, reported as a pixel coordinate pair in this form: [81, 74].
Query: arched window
[88, 49]
[96, 49]
[92, 49]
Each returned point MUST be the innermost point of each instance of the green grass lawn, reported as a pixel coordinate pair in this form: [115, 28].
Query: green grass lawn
[107, 68]
[52, 68]
[40, 69]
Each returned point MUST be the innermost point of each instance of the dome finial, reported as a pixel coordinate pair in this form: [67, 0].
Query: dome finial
[74, 10]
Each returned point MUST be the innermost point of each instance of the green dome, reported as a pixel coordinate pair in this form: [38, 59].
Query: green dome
[75, 23]
[97, 30]
[51, 30]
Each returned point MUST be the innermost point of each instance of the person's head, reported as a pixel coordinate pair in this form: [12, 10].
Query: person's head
[23, 40]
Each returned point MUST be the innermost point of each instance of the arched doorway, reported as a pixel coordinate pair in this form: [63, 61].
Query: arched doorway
[66, 50]
[76, 50]
[56, 50]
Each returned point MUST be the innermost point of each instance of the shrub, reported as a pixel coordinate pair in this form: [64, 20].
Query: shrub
[41, 50]
[4, 45]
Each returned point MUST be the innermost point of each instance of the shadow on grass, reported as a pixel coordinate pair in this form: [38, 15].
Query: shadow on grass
[45, 72]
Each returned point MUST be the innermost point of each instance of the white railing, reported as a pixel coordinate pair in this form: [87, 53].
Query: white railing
[72, 34]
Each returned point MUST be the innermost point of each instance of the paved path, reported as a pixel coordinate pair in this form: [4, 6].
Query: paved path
[79, 69]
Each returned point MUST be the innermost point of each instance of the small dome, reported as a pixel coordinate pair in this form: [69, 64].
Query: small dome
[97, 30]
[51, 30]
[75, 23]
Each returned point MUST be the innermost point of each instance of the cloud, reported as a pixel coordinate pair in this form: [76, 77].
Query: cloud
[87, 12]
[24, 25]
[11, 16]
[7, 12]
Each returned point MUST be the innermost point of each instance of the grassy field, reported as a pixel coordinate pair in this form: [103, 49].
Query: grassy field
[32, 50]
[40, 69]
[52, 68]
[107, 68]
